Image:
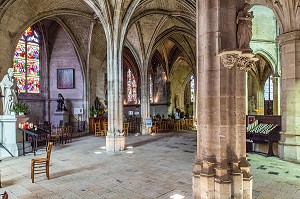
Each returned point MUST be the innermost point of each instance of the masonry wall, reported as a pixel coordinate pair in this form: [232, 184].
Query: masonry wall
[64, 56]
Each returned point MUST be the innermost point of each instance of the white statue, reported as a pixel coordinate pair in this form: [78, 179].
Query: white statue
[8, 90]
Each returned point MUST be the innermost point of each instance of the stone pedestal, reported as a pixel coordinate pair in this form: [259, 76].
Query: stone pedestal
[63, 116]
[8, 135]
[115, 143]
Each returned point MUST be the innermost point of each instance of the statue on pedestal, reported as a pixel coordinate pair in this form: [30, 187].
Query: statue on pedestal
[61, 103]
[8, 90]
[244, 32]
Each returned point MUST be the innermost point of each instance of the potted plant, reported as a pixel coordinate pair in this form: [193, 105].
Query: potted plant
[20, 108]
[94, 112]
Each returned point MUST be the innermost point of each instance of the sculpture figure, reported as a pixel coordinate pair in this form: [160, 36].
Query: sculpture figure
[244, 32]
[251, 105]
[97, 103]
[61, 103]
[8, 90]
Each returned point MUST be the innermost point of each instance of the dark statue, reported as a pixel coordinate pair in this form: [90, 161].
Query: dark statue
[99, 105]
[61, 103]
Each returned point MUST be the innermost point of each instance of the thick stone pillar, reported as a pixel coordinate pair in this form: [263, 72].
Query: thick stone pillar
[145, 101]
[221, 169]
[289, 148]
[115, 141]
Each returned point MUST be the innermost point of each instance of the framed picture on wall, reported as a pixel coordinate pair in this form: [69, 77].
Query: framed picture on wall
[65, 78]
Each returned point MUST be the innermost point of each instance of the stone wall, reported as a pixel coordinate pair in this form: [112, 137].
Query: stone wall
[64, 56]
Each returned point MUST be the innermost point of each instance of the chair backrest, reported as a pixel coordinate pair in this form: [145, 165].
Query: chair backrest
[70, 130]
[126, 125]
[97, 126]
[4, 195]
[105, 126]
[59, 130]
[49, 149]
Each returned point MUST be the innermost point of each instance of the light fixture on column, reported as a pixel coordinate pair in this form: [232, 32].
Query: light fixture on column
[241, 59]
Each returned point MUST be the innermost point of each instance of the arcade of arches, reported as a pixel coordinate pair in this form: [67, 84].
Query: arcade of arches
[153, 56]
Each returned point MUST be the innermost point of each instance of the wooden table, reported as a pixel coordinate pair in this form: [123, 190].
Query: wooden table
[35, 134]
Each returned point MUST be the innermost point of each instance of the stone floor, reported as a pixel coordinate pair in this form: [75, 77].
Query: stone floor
[152, 167]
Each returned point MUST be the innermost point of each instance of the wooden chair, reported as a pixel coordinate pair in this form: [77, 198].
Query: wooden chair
[64, 135]
[154, 128]
[97, 129]
[177, 124]
[104, 128]
[69, 133]
[41, 165]
[4, 195]
[55, 138]
[126, 128]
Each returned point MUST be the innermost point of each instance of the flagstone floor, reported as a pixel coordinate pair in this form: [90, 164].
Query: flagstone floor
[157, 166]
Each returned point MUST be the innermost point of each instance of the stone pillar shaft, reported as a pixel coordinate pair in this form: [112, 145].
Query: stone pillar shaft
[290, 96]
[145, 101]
[260, 100]
[221, 169]
[115, 141]
[275, 96]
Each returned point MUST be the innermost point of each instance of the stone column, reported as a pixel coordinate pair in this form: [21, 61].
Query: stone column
[260, 104]
[289, 148]
[145, 101]
[115, 141]
[221, 169]
[275, 82]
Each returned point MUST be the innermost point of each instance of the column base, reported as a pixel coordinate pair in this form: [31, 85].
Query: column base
[211, 181]
[146, 130]
[289, 147]
[289, 152]
[114, 144]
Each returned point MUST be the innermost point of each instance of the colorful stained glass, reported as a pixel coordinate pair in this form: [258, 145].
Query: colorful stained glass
[33, 85]
[21, 83]
[28, 32]
[131, 87]
[33, 59]
[26, 62]
[192, 88]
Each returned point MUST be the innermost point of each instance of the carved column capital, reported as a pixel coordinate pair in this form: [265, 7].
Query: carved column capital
[242, 60]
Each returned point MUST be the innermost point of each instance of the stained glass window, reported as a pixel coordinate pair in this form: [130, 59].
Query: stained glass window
[26, 62]
[192, 88]
[131, 87]
[268, 91]
[151, 89]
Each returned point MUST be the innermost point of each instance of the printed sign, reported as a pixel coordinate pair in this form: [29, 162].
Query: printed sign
[148, 122]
